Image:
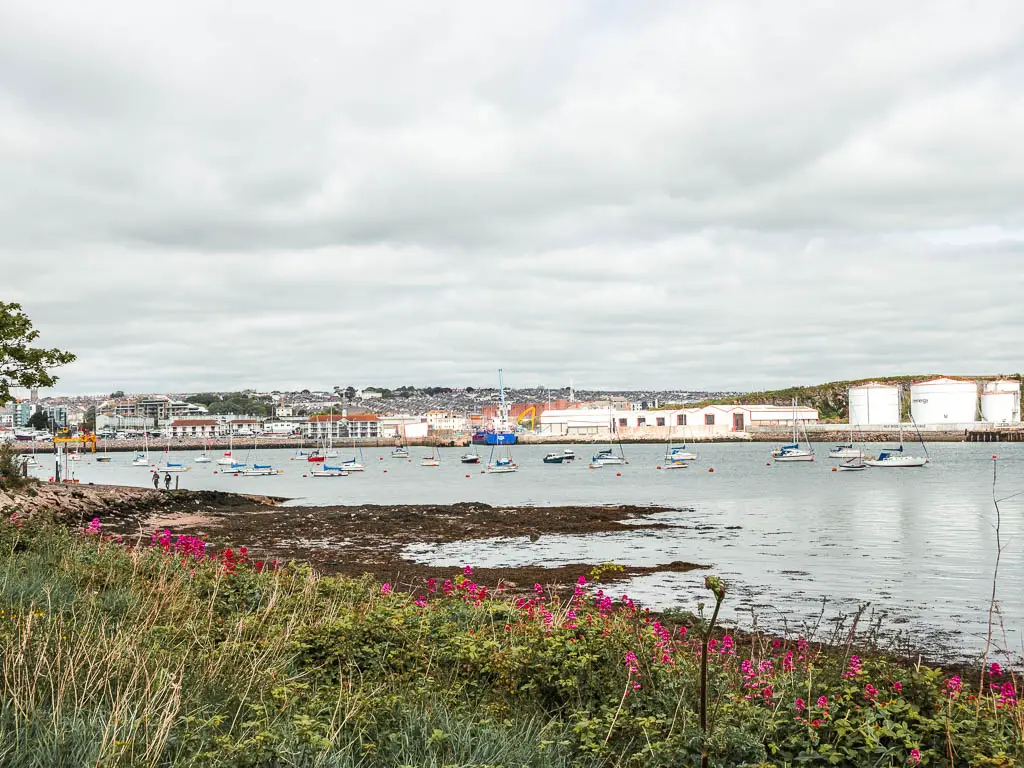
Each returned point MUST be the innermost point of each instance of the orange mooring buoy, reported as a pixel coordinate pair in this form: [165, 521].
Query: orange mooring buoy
[711, 469]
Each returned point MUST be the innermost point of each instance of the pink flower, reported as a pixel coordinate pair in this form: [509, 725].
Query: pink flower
[538, 589]
[915, 756]
[582, 580]
[727, 643]
[431, 585]
[467, 571]
[953, 685]
[995, 670]
[852, 667]
[870, 692]
[822, 702]
[420, 602]
[94, 526]
[385, 589]
[800, 705]
[898, 687]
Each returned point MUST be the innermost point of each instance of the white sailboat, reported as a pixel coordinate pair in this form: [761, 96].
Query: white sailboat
[606, 456]
[846, 450]
[351, 465]
[792, 451]
[257, 470]
[227, 460]
[168, 465]
[142, 459]
[433, 460]
[678, 456]
[895, 458]
[203, 458]
[503, 463]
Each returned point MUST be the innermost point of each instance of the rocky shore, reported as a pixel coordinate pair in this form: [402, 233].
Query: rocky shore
[351, 540]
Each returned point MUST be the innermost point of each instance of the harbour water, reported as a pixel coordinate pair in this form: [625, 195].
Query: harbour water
[918, 544]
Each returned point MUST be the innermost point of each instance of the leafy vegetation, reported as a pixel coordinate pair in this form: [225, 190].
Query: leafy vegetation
[12, 476]
[165, 653]
[240, 403]
[21, 364]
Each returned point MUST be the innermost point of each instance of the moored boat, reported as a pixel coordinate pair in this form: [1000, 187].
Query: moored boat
[792, 450]
[470, 458]
[329, 471]
[554, 458]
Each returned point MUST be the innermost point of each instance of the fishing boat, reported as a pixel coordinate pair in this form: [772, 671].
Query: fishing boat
[503, 463]
[846, 450]
[895, 458]
[554, 458]
[329, 471]
[433, 460]
[498, 432]
[470, 458]
[792, 450]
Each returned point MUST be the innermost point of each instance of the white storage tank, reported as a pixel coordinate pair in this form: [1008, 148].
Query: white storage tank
[944, 401]
[874, 404]
[1000, 402]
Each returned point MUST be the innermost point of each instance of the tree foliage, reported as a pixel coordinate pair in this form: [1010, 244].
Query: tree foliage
[21, 364]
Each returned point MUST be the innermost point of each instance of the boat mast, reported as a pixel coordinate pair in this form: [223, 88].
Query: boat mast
[504, 409]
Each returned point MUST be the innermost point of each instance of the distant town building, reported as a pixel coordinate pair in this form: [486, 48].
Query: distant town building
[245, 427]
[203, 428]
[709, 421]
[446, 421]
[23, 411]
[157, 408]
[56, 415]
[341, 426]
[284, 412]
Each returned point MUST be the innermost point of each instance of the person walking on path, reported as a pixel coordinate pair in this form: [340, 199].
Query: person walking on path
[167, 480]
[156, 481]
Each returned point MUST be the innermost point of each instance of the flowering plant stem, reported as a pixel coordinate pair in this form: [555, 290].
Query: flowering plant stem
[715, 585]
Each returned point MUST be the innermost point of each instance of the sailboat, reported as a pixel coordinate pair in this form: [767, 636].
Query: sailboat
[677, 456]
[504, 461]
[105, 457]
[227, 460]
[792, 451]
[352, 465]
[203, 458]
[894, 457]
[142, 458]
[258, 470]
[400, 451]
[328, 471]
[168, 465]
[607, 456]
[433, 460]
[846, 450]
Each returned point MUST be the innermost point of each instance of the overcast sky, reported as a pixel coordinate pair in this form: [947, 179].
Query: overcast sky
[214, 195]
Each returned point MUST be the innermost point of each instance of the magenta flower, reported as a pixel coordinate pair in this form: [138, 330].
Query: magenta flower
[582, 580]
[467, 571]
[898, 687]
[822, 702]
[995, 670]
[852, 667]
[538, 589]
[870, 692]
[915, 756]
[800, 705]
[385, 589]
[953, 685]
[420, 602]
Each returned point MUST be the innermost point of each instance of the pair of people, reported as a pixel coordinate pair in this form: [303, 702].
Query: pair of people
[156, 481]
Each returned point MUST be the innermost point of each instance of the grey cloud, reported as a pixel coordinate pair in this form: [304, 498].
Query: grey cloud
[697, 195]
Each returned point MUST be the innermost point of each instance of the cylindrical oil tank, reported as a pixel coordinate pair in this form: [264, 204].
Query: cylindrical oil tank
[1000, 402]
[874, 404]
[944, 401]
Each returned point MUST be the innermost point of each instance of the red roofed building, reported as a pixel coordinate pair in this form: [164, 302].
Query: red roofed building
[194, 428]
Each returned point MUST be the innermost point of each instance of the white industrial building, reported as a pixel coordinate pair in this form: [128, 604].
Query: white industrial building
[944, 401]
[707, 422]
[1000, 402]
[874, 404]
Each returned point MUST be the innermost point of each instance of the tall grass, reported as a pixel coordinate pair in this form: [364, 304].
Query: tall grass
[155, 654]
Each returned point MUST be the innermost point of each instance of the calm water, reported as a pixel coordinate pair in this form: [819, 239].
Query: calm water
[917, 543]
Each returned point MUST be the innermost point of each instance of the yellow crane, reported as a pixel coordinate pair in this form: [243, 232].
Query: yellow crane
[84, 438]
